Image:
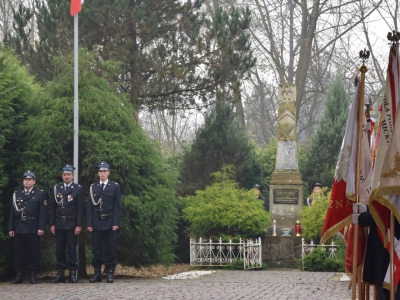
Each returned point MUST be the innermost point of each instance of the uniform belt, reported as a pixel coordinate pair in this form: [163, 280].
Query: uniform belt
[103, 216]
[25, 218]
[65, 218]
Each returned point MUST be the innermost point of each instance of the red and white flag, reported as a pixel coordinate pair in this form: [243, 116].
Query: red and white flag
[342, 198]
[76, 6]
[385, 195]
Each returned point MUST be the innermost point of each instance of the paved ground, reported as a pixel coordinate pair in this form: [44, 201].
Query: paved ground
[271, 284]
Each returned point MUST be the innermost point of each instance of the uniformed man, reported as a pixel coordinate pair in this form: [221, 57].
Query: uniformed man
[66, 222]
[260, 196]
[103, 219]
[26, 224]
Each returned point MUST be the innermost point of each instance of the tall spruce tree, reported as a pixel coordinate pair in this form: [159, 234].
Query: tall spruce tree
[16, 91]
[219, 142]
[108, 133]
[321, 156]
[172, 56]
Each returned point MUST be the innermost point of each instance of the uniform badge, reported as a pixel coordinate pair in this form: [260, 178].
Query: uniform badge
[70, 198]
[33, 192]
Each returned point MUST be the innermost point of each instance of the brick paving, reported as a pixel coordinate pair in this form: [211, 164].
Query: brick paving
[274, 284]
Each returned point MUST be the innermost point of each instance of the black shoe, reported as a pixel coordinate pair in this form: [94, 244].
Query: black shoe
[18, 278]
[72, 276]
[33, 277]
[110, 275]
[60, 278]
[97, 275]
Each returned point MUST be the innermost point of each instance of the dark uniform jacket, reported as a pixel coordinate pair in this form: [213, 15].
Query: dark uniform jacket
[376, 255]
[107, 214]
[68, 214]
[34, 212]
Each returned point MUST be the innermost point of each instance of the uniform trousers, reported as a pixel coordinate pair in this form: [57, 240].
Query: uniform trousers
[66, 238]
[109, 238]
[30, 243]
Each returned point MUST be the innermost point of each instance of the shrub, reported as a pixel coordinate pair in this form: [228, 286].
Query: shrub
[224, 210]
[319, 261]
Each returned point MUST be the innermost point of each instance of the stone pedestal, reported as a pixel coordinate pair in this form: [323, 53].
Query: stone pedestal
[285, 199]
[281, 251]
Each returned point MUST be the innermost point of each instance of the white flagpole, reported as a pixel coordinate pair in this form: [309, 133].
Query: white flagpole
[76, 102]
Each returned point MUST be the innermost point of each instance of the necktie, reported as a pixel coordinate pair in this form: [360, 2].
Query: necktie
[102, 186]
[26, 193]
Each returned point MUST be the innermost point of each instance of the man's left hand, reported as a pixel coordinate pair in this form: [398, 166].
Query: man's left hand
[40, 232]
[115, 227]
[78, 230]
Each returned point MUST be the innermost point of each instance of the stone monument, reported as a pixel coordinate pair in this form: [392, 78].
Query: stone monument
[286, 187]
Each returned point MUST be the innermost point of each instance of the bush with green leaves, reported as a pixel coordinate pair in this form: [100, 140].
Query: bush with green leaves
[223, 210]
[312, 218]
[319, 261]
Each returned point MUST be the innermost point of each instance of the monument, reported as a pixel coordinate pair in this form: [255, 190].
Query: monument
[286, 188]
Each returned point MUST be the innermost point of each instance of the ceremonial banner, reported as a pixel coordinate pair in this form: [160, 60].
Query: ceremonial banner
[343, 190]
[385, 195]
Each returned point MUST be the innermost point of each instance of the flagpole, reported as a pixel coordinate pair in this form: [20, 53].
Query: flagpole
[391, 265]
[360, 120]
[76, 102]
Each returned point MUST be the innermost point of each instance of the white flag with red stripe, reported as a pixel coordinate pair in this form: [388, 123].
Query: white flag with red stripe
[385, 195]
[76, 6]
[340, 209]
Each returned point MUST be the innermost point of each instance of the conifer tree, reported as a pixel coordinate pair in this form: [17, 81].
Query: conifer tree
[171, 54]
[219, 142]
[321, 156]
[16, 91]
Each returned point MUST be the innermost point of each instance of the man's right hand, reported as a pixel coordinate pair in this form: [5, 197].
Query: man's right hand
[90, 229]
[359, 208]
[53, 229]
[354, 218]
[11, 233]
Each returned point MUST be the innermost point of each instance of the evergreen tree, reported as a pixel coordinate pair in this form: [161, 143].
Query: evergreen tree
[16, 91]
[321, 156]
[108, 133]
[219, 142]
[171, 54]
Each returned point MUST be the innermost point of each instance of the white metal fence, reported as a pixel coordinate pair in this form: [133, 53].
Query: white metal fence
[306, 249]
[209, 253]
